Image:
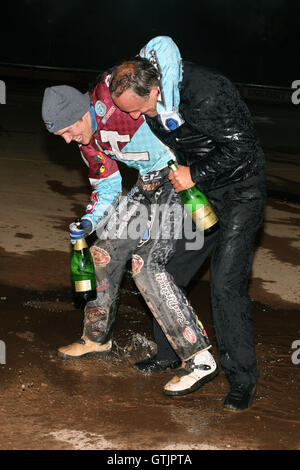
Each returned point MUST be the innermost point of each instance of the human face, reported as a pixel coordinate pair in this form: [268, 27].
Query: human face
[135, 105]
[80, 132]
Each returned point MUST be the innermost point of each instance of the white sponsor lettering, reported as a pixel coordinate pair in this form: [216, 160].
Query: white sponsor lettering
[168, 294]
[113, 137]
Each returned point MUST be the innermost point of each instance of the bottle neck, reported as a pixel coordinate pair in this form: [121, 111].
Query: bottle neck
[80, 244]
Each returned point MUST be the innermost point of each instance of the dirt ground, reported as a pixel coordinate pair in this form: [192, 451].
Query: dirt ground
[105, 404]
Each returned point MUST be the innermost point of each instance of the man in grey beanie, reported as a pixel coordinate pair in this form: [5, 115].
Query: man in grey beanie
[65, 112]
[106, 134]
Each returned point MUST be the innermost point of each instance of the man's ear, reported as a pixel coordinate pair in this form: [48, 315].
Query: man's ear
[86, 115]
[154, 91]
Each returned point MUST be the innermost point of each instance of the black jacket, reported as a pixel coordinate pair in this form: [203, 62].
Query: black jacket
[218, 140]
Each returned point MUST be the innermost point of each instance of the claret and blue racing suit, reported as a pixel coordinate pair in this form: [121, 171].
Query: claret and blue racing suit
[118, 137]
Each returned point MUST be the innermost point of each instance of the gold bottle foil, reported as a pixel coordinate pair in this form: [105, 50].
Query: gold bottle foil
[204, 217]
[80, 244]
[83, 286]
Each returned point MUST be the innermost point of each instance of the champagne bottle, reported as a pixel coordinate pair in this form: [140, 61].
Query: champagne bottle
[82, 274]
[197, 206]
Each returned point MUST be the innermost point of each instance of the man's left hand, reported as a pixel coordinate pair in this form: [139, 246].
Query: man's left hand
[79, 230]
[181, 178]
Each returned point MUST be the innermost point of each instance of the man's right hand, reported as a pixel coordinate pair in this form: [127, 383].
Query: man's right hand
[181, 178]
[79, 230]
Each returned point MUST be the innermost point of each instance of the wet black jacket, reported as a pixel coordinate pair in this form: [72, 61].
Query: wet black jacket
[218, 140]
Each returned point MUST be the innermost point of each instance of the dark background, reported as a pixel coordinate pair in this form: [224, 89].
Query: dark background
[252, 41]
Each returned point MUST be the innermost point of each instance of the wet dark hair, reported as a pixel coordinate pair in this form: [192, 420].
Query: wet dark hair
[136, 74]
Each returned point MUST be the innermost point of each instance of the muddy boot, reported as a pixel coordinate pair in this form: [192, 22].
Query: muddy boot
[194, 373]
[85, 348]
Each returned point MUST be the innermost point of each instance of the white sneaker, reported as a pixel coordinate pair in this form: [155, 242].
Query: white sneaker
[194, 373]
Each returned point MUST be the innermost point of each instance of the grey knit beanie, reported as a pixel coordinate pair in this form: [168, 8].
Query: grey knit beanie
[62, 106]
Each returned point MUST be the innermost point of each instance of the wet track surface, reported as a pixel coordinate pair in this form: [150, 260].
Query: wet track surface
[48, 403]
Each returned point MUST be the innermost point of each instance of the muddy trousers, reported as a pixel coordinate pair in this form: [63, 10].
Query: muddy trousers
[155, 209]
[183, 266]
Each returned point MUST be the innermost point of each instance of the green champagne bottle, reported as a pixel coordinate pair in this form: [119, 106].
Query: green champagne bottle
[197, 206]
[82, 274]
